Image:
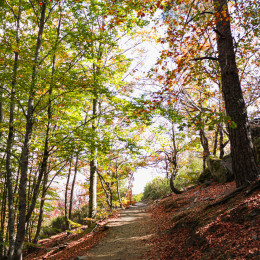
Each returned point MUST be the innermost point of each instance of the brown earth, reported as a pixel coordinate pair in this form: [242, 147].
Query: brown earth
[128, 236]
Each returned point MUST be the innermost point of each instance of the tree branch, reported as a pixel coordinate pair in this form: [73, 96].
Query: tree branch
[205, 58]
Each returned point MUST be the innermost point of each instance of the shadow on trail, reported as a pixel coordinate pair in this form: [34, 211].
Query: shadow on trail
[127, 236]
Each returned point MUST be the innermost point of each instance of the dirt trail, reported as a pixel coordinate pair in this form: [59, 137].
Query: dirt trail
[128, 236]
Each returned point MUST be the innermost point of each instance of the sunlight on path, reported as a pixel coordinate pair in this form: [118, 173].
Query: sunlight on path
[127, 238]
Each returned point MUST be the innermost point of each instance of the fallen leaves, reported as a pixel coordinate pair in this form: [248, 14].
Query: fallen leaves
[190, 231]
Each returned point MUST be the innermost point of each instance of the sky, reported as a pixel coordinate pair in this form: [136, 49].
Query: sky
[142, 177]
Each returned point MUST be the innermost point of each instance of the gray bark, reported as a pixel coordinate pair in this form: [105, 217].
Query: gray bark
[93, 167]
[10, 138]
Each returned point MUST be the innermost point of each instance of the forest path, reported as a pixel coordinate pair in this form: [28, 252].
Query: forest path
[128, 236]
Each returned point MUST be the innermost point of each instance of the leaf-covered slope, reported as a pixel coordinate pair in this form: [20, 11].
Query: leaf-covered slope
[187, 229]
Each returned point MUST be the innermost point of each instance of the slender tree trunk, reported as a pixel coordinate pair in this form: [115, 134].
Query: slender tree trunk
[3, 216]
[66, 198]
[174, 162]
[10, 138]
[46, 152]
[117, 186]
[243, 160]
[40, 218]
[1, 111]
[73, 185]
[216, 141]
[102, 181]
[221, 142]
[205, 145]
[93, 167]
[26, 145]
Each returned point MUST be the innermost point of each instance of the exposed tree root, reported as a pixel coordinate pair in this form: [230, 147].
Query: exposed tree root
[253, 187]
[249, 190]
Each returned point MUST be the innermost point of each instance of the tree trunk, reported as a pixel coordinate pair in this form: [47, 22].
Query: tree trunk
[102, 181]
[243, 161]
[221, 142]
[216, 141]
[46, 152]
[40, 218]
[3, 216]
[205, 145]
[10, 138]
[174, 190]
[93, 168]
[117, 186]
[66, 199]
[73, 185]
[26, 145]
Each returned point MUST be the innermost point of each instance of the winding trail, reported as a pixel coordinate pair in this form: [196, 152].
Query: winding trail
[128, 236]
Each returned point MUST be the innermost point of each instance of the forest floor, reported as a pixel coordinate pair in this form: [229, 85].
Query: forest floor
[186, 226]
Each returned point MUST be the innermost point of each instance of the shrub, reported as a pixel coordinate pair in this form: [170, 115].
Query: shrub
[189, 174]
[138, 197]
[157, 188]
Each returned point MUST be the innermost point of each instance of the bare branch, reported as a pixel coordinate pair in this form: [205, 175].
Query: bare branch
[205, 58]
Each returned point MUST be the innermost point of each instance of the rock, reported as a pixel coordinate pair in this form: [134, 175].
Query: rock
[205, 176]
[255, 134]
[221, 170]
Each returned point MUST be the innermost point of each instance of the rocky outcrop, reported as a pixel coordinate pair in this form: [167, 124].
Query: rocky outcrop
[219, 170]
[255, 134]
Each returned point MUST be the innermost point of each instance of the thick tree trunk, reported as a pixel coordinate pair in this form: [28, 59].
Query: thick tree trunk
[26, 145]
[243, 161]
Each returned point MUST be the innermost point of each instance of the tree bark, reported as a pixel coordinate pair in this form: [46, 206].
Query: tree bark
[10, 138]
[26, 145]
[3, 216]
[102, 181]
[117, 186]
[93, 167]
[216, 141]
[46, 152]
[66, 198]
[40, 218]
[73, 185]
[243, 161]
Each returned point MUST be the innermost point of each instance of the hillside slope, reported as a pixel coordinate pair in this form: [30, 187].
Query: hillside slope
[193, 226]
